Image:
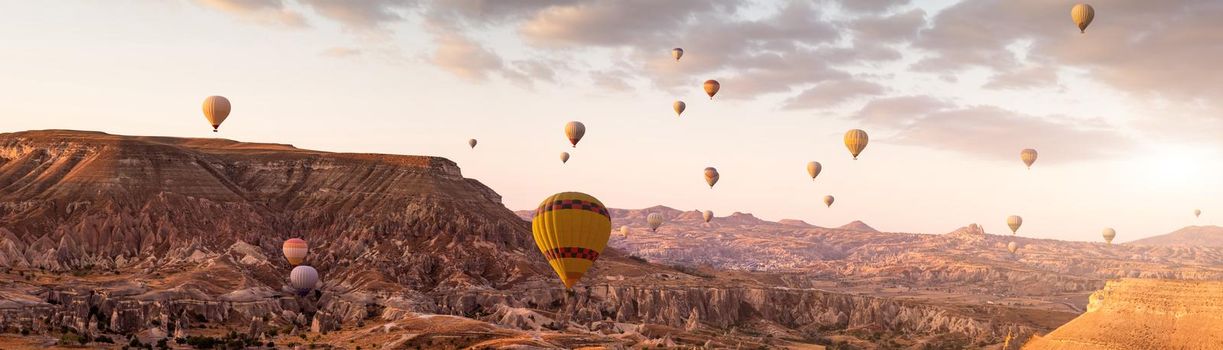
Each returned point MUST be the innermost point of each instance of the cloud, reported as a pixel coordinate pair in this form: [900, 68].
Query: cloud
[614, 22]
[274, 12]
[871, 6]
[1167, 49]
[990, 132]
[902, 27]
[463, 57]
[361, 14]
[340, 52]
[833, 93]
[1024, 78]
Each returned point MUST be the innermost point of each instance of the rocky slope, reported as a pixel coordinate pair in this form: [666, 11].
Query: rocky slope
[967, 260]
[1192, 236]
[152, 236]
[1145, 314]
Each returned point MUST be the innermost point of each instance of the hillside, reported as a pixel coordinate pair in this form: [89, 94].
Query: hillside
[157, 237]
[1191, 236]
[1144, 314]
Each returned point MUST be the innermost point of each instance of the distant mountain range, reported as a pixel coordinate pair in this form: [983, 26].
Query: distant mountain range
[1192, 236]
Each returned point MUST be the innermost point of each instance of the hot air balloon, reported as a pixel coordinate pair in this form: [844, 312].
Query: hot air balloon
[712, 87]
[1109, 234]
[564, 157]
[654, 220]
[813, 169]
[295, 250]
[303, 279]
[708, 215]
[1013, 247]
[216, 109]
[571, 230]
[677, 53]
[828, 200]
[624, 230]
[472, 143]
[711, 176]
[1028, 156]
[679, 107]
[855, 141]
[1014, 221]
[1082, 14]
[1197, 213]
[574, 131]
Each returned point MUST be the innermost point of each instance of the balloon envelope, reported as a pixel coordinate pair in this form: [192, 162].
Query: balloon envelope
[295, 250]
[828, 200]
[712, 87]
[624, 230]
[708, 215]
[677, 53]
[1109, 234]
[1028, 156]
[711, 176]
[813, 169]
[564, 157]
[1082, 14]
[679, 107]
[472, 143]
[574, 131]
[1197, 213]
[855, 141]
[571, 229]
[654, 220]
[1013, 247]
[216, 109]
[303, 279]
[1014, 221]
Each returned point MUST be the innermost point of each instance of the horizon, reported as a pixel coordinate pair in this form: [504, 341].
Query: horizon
[1124, 141]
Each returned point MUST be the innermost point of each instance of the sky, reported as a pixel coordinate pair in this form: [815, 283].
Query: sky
[1127, 117]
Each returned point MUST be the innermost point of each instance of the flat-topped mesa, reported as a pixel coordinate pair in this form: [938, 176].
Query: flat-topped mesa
[126, 195]
[1144, 314]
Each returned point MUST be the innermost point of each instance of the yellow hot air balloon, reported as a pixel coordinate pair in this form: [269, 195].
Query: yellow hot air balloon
[711, 176]
[855, 141]
[295, 250]
[1028, 156]
[679, 107]
[1109, 234]
[216, 109]
[1014, 221]
[654, 220]
[828, 200]
[708, 215]
[1197, 213]
[564, 157]
[624, 230]
[1013, 247]
[813, 169]
[1082, 14]
[574, 131]
[472, 143]
[571, 230]
[677, 53]
[712, 87]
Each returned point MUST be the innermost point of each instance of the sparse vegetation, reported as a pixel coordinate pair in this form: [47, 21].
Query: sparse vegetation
[72, 339]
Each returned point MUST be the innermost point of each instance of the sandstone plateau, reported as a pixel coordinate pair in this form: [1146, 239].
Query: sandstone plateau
[1144, 314]
[155, 238]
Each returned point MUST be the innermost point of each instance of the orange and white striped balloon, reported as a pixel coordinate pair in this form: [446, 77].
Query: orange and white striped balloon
[295, 250]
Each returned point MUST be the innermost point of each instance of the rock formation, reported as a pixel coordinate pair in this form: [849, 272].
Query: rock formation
[1144, 314]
